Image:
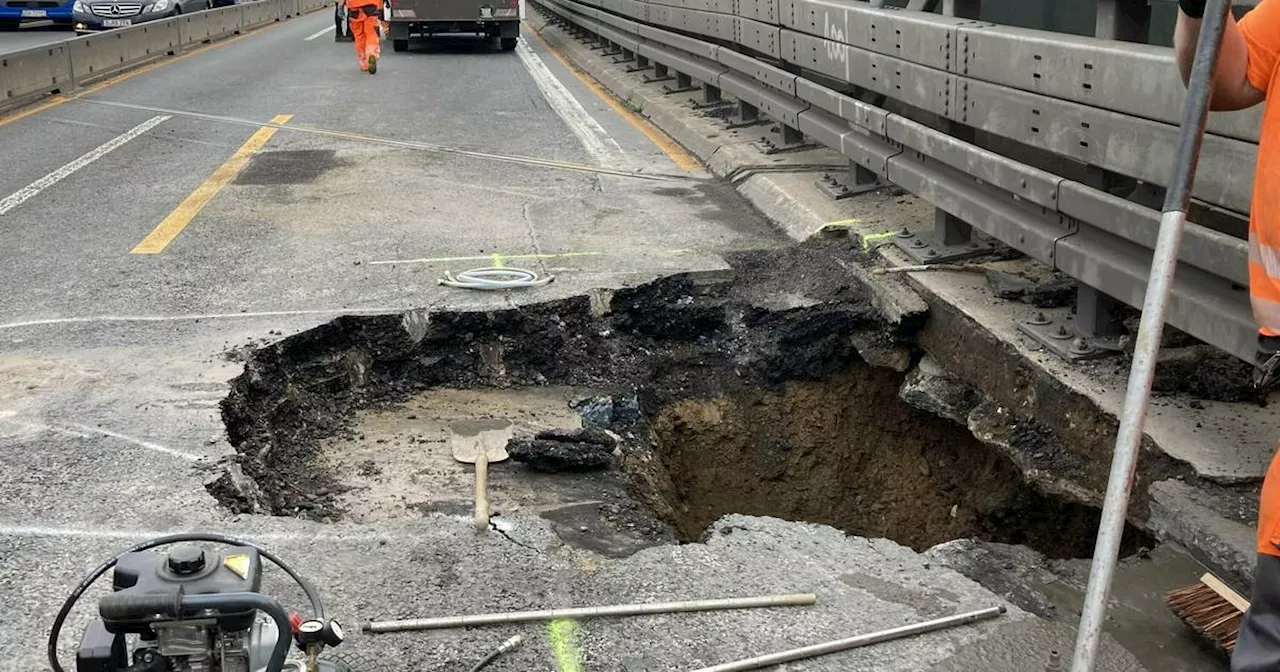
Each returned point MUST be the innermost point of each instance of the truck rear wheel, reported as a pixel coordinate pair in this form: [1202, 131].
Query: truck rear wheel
[509, 43]
[400, 45]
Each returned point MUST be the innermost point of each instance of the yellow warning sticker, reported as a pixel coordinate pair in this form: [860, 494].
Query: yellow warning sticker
[238, 564]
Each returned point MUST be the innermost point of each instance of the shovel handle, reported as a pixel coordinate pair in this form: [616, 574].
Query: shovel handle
[482, 492]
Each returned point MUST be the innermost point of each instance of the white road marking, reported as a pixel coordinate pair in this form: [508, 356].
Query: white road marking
[141, 443]
[319, 34]
[31, 190]
[85, 432]
[590, 133]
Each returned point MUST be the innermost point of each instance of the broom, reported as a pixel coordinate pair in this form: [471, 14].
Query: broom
[1211, 608]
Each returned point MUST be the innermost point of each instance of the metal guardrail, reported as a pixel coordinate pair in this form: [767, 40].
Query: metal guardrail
[62, 66]
[1107, 105]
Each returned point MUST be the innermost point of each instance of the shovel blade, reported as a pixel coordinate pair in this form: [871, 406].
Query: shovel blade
[469, 438]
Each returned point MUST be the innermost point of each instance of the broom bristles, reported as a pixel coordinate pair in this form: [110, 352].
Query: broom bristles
[1207, 612]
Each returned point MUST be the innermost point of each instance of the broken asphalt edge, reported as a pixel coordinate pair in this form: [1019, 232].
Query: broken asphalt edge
[1012, 379]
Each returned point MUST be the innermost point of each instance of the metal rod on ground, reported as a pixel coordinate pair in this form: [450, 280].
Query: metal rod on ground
[1129, 439]
[856, 642]
[796, 600]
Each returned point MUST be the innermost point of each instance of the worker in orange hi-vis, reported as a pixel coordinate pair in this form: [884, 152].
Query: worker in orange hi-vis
[365, 17]
[1246, 75]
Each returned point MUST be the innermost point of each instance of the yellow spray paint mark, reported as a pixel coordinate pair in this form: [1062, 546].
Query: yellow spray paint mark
[872, 238]
[563, 635]
[171, 226]
[838, 224]
[498, 261]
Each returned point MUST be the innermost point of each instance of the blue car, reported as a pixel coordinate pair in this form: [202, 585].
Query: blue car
[14, 12]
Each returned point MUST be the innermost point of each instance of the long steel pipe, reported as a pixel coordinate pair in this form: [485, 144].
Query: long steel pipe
[796, 600]
[1124, 459]
[856, 642]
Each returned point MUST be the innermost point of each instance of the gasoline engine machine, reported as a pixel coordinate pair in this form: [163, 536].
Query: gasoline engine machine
[193, 609]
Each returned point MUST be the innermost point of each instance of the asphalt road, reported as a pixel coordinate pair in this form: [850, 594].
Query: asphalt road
[154, 224]
[33, 35]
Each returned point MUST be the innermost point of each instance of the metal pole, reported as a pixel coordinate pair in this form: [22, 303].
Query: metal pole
[1124, 459]
[856, 642]
[802, 599]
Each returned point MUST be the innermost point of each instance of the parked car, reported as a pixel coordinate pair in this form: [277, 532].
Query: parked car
[14, 12]
[94, 15]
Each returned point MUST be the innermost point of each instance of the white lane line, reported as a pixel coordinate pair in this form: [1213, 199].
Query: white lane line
[319, 34]
[141, 443]
[590, 133]
[31, 190]
[85, 432]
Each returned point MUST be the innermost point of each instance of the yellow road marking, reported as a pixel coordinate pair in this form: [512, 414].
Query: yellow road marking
[171, 226]
[563, 635]
[496, 258]
[112, 81]
[678, 155]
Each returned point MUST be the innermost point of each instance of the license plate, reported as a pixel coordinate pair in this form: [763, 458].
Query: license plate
[34, 14]
[486, 12]
[117, 23]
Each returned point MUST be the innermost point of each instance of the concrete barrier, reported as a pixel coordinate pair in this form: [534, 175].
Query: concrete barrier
[96, 56]
[289, 8]
[31, 73]
[260, 13]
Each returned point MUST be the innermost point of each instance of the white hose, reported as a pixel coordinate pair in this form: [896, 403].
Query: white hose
[494, 278]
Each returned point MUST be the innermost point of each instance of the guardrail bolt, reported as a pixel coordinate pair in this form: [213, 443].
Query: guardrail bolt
[904, 233]
[918, 244]
[1081, 346]
[931, 253]
[1060, 333]
[1039, 319]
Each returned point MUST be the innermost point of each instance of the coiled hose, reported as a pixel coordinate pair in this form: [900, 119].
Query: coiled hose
[494, 278]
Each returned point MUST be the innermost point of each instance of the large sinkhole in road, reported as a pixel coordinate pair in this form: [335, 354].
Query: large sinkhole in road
[744, 392]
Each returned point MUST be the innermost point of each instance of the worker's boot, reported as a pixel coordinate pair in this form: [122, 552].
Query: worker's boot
[373, 64]
[1267, 373]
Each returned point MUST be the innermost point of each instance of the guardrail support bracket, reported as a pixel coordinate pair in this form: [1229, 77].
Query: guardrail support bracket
[642, 63]
[1093, 332]
[684, 83]
[660, 74]
[859, 180]
[627, 57]
[952, 240]
[791, 140]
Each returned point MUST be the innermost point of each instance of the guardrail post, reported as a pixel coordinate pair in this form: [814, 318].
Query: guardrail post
[712, 96]
[660, 74]
[1094, 332]
[1126, 20]
[642, 63]
[859, 180]
[627, 57]
[684, 83]
[965, 9]
[952, 240]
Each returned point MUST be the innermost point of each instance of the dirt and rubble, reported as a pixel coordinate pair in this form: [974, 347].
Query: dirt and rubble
[746, 395]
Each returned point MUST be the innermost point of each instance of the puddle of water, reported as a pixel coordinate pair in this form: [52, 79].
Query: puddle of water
[1138, 617]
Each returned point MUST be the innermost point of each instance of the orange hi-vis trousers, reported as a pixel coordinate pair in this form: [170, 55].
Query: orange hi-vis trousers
[365, 16]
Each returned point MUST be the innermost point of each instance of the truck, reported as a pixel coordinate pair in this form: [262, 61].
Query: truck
[488, 19]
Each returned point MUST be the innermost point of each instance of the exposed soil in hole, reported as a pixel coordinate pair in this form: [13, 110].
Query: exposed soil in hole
[752, 398]
[844, 451]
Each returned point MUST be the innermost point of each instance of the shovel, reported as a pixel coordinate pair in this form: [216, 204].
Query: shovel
[480, 442]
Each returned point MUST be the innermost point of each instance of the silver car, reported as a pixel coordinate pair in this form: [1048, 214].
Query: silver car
[91, 16]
